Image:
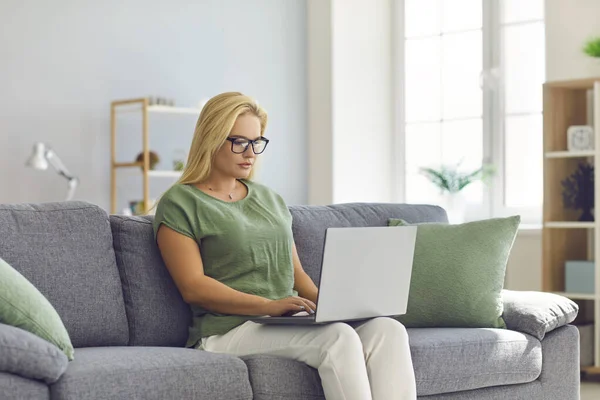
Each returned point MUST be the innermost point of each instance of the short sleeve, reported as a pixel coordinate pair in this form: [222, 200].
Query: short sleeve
[175, 215]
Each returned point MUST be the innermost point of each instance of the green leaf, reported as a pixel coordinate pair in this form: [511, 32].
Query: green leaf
[592, 47]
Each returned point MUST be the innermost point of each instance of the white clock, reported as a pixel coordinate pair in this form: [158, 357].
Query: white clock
[580, 137]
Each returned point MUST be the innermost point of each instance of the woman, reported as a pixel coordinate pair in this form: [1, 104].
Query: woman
[227, 242]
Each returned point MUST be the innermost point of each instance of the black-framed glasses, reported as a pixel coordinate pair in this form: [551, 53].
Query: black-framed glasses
[239, 145]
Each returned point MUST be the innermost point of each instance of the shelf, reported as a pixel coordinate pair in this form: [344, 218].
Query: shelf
[160, 110]
[128, 164]
[165, 174]
[577, 296]
[570, 224]
[570, 154]
[174, 110]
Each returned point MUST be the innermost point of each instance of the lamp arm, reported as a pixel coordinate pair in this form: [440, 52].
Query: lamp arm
[58, 165]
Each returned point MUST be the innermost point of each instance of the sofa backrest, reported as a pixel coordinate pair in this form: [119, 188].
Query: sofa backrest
[157, 314]
[310, 223]
[65, 250]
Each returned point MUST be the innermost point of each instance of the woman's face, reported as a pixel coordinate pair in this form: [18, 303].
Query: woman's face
[238, 165]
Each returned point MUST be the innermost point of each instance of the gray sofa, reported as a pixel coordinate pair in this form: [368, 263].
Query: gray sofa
[128, 323]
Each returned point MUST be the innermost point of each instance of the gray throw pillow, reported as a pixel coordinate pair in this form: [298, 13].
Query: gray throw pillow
[25, 354]
[537, 313]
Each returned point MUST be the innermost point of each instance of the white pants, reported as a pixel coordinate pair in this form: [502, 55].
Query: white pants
[371, 361]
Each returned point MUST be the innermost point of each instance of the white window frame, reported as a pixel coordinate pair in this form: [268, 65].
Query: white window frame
[493, 204]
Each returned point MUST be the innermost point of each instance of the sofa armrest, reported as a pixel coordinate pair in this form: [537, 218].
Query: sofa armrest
[25, 354]
[537, 313]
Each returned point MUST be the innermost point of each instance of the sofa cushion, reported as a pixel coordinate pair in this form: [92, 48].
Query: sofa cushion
[153, 373]
[445, 360]
[65, 250]
[455, 359]
[277, 378]
[537, 313]
[458, 273]
[16, 387]
[29, 356]
[157, 314]
[310, 222]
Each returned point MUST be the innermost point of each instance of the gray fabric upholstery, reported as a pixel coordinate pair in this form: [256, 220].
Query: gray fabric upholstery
[456, 359]
[537, 313]
[25, 354]
[310, 223]
[527, 391]
[560, 364]
[65, 250]
[152, 373]
[445, 360]
[156, 313]
[276, 378]
[14, 387]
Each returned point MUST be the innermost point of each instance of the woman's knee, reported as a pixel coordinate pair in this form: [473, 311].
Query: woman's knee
[388, 326]
[343, 333]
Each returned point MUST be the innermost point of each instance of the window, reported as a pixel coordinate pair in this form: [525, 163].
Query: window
[473, 74]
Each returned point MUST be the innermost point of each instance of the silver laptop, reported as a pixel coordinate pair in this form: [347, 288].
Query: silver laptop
[365, 273]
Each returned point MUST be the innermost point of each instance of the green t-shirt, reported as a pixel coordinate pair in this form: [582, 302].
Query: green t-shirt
[246, 245]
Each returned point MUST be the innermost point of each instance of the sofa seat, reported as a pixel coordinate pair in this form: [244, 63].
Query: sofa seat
[456, 359]
[152, 373]
[17, 387]
[445, 360]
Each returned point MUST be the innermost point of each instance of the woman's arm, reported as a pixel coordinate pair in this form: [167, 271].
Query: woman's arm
[184, 262]
[305, 287]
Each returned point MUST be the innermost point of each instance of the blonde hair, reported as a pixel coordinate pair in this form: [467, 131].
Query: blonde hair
[212, 129]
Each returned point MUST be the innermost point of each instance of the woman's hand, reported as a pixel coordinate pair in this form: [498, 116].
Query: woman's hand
[292, 304]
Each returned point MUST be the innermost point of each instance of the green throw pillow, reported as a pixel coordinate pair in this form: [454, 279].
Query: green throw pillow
[23, 306]
[458, 273]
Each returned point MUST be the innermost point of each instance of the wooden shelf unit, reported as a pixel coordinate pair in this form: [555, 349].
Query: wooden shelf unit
[139, 105]
[563, 236]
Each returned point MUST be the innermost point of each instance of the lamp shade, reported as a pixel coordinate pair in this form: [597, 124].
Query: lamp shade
[38, 159]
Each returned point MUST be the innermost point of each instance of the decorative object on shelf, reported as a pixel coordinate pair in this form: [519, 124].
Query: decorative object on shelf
[43, 155]
[154, 159]
[450, 180]
[579, 276]
[580, 137]
[160, 101]
[136, 207]
[179, 160]
[578, 191]
[592, 47]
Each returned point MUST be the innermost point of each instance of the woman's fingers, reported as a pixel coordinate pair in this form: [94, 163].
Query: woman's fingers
[307, 305]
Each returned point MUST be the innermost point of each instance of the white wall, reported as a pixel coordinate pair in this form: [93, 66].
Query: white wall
[320, 102]
[524, 268]
[363, 93]
[568, 25]
[350, 97]
[63, 62]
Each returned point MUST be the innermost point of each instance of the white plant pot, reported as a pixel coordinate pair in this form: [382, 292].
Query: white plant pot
[455, 205]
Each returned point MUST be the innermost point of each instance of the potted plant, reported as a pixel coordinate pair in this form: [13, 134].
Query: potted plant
[451, 180]
[592, 47]
[578, 191]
